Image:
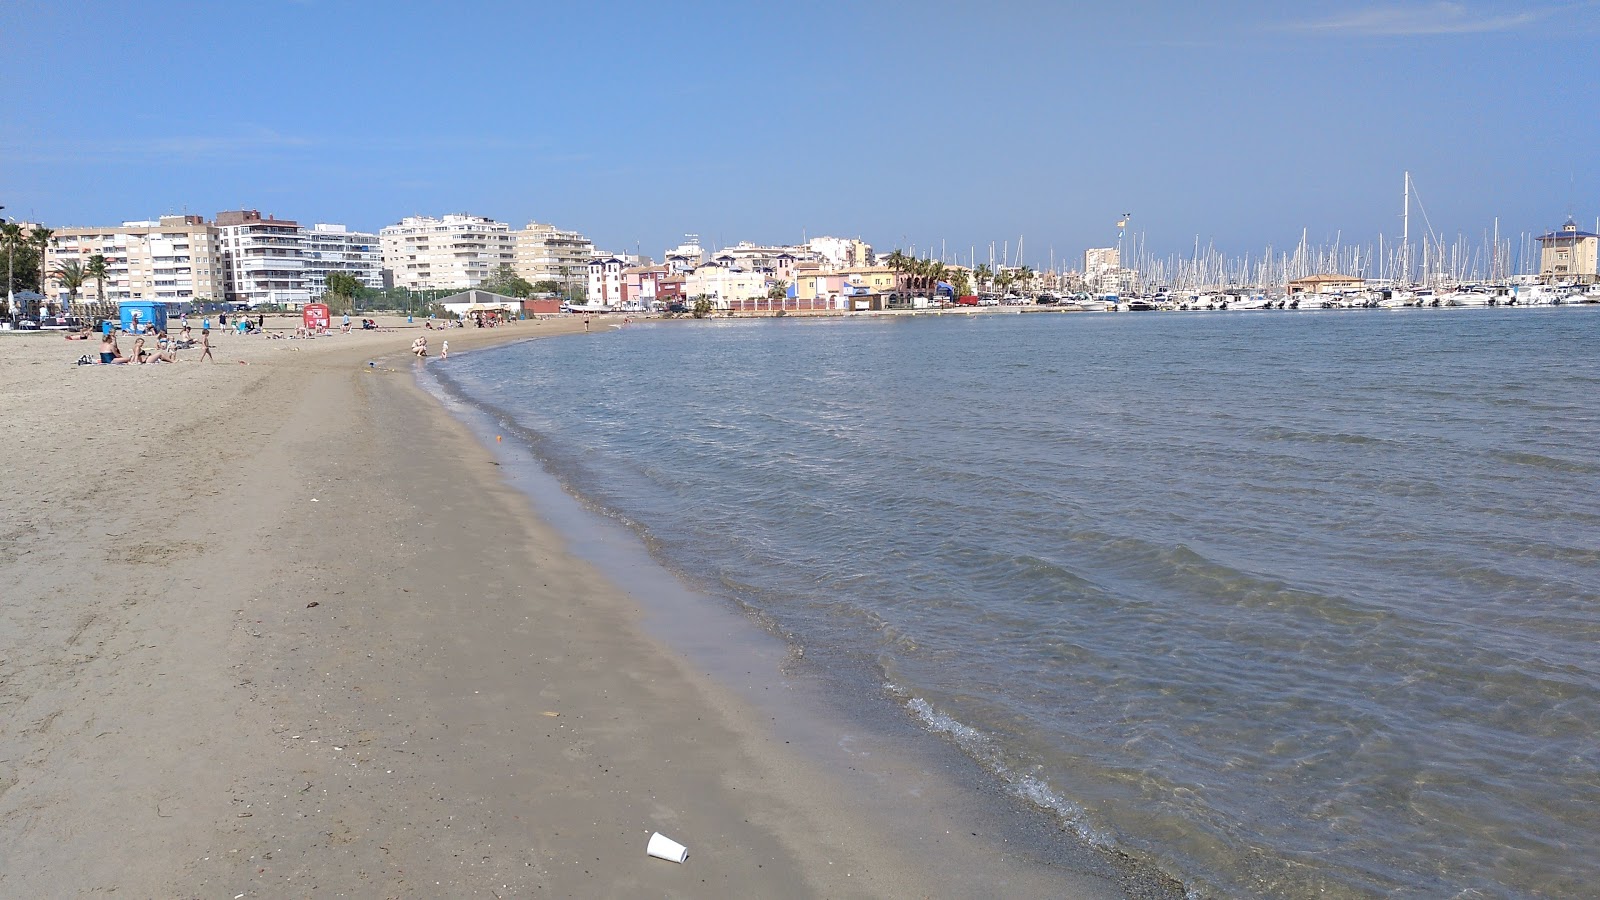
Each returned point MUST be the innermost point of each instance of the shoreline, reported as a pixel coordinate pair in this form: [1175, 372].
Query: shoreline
[284, 627]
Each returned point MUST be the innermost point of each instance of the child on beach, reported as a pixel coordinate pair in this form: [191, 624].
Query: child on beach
[444, 350]
[205, 344]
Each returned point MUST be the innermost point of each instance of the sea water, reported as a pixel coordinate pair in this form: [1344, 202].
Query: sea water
[1281, 603]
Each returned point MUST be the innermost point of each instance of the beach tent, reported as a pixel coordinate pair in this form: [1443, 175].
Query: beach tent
[149, 312]
[315, 316]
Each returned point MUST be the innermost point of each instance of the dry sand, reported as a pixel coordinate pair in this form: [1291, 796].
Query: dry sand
[281, 628]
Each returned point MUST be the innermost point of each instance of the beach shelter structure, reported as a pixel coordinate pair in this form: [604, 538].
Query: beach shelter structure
[315, 316]
[478, 301]
[147, 312]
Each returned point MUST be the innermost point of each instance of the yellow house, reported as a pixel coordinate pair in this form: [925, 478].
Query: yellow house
[876, 279]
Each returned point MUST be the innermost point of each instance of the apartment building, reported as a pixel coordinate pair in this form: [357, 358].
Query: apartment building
[842, 253]
[605, 280]
[173, 259]
[263, 259]
[334, 248]
[458, 251]
[546, 253]
[721, 284]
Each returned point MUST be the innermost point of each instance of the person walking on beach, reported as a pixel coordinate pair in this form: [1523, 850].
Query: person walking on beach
[444, 350]
[585, 321]
[205, 345]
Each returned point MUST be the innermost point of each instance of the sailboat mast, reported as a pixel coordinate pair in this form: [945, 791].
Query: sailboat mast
[1405, 233]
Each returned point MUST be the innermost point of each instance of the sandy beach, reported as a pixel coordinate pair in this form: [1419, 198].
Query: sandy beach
[278, 626]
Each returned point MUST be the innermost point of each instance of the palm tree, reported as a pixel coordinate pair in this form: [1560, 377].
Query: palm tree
[40, 238]
[935, 275]
[96, 269]
[983, 275]
[11, 234]
[898, 262]
[72, 275]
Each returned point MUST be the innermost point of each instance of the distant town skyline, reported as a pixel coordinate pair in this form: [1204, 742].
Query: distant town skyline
[958, 126]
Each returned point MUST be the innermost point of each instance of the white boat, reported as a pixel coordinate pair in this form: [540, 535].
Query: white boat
[1465, 297]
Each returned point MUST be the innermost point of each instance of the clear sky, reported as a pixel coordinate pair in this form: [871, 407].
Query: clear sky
[910, 123]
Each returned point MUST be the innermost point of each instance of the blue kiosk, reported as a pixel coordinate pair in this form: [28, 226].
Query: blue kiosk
[148, 312]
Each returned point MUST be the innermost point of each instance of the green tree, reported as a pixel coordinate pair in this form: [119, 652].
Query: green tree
[983, 275]
[702, 306]
[507, 282]
[341, 291]
[778, 290]
[548, 286]
[961, 282]
[72, 275]
[96, 269]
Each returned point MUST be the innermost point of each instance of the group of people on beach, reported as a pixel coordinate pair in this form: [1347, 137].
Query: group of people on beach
[166, 350]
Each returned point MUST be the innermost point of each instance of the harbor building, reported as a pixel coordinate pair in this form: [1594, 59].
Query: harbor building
[458, 251]
[173, 259]
[1326, 284]
[547, 253]
[334, 248]
[263, 259]
[1568, 255]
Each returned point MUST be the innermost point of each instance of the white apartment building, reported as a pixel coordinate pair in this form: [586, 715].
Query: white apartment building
[687, 255]
[546, 253]
[263, 259]
[334, 248]
[605, 280]
[174, 259]
[842, 253]
[459, 251]
[720, 284]
[1098, 262]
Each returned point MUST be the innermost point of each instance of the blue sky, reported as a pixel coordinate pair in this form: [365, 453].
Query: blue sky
[905, 124]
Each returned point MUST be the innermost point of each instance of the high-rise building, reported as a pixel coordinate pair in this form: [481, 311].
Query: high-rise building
[174, 259]
[263, 259]
[334, 248]
[546, 253]
[459, 251]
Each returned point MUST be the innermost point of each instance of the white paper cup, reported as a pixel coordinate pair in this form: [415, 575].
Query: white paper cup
[663, 847]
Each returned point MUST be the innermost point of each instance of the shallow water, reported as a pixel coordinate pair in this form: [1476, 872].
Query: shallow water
[1283, 603]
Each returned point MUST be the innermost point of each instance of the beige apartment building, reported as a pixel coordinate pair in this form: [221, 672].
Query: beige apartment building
[173, 259]
[546, 253]
[459, 251]
[1569, 255]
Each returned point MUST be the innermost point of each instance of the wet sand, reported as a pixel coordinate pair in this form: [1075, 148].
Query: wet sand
[282, 628]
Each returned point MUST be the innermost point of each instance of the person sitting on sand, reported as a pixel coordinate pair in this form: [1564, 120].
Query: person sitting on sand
[139, 353]
[109, 351]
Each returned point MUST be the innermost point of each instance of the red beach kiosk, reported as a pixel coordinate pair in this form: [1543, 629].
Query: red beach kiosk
[315, 316]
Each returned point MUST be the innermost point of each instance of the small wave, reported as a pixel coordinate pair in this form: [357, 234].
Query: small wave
[1320, 437]
[980, 747]
[1540, 461]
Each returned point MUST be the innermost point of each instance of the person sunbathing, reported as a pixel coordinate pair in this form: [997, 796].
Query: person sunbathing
[109, 351]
